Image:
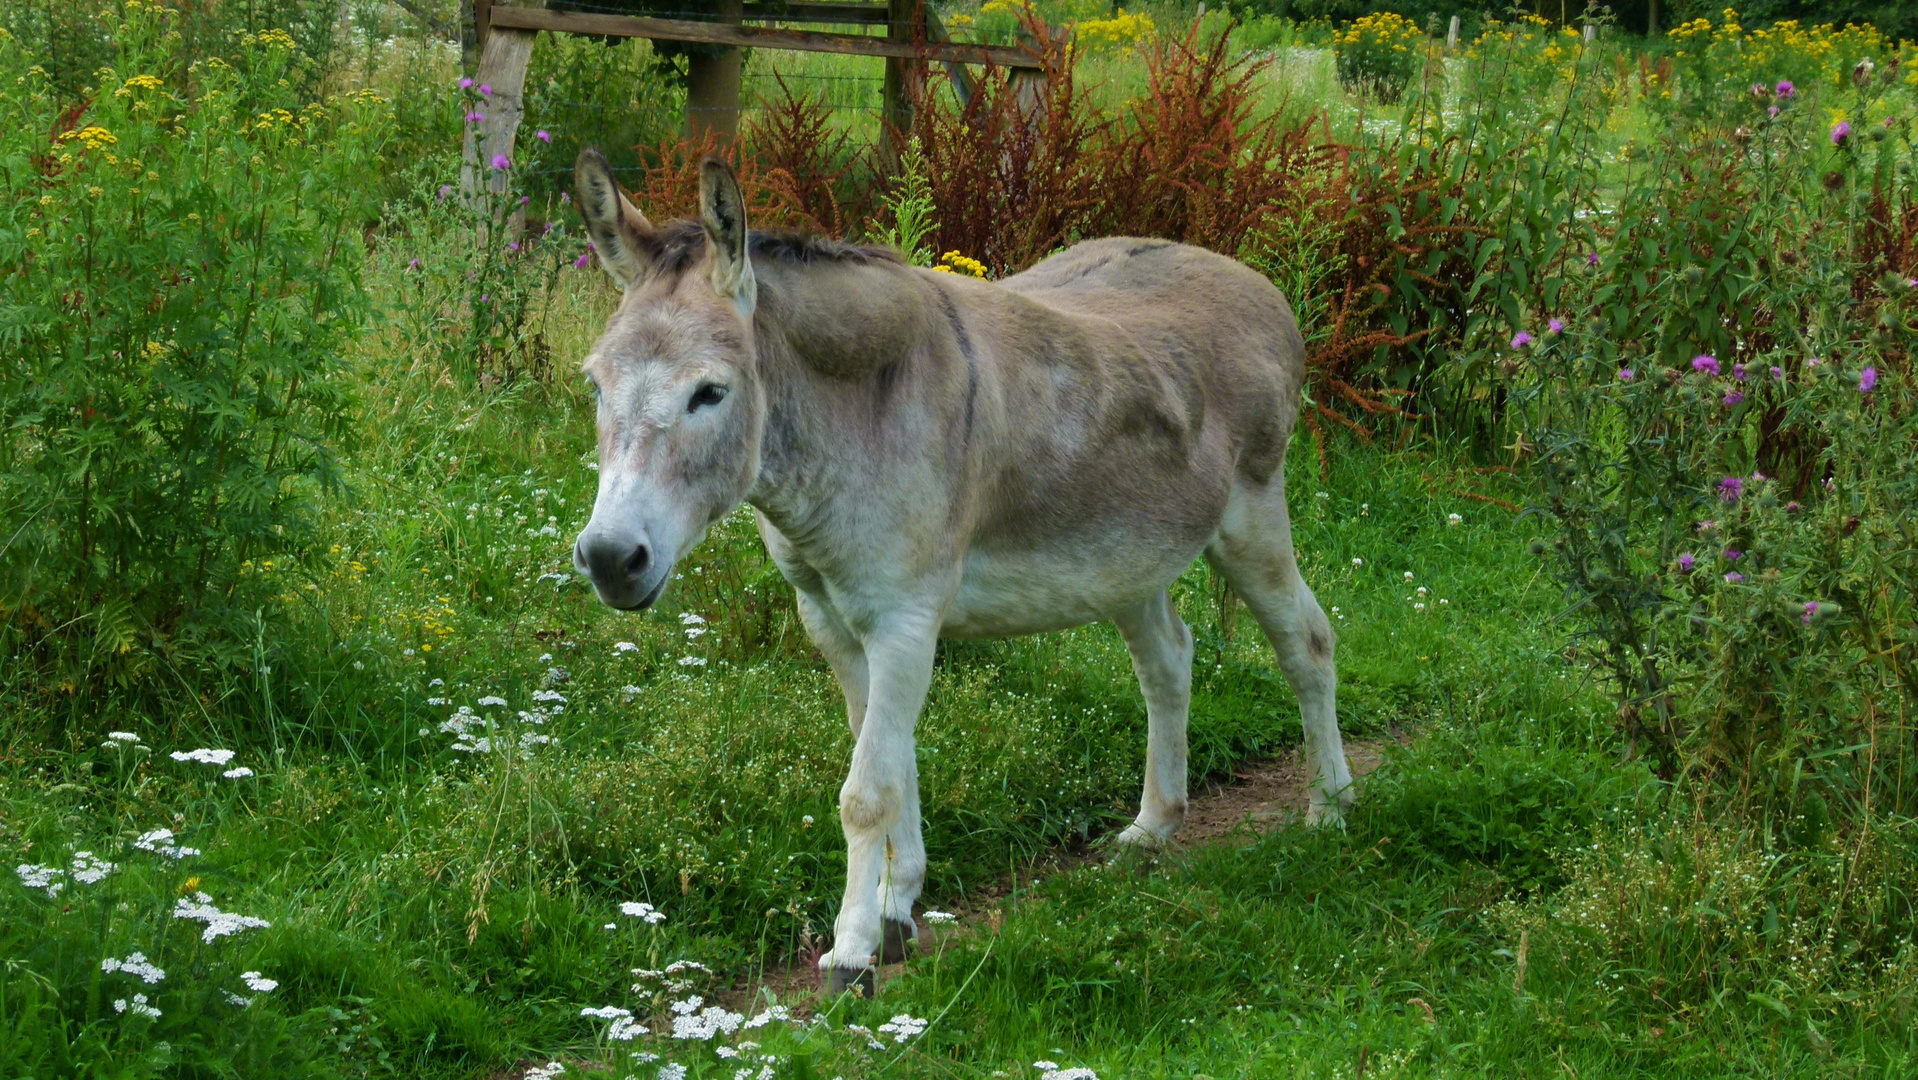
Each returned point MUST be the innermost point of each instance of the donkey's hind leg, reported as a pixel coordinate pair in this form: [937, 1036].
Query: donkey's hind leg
[1161, 649]
[1254, 553]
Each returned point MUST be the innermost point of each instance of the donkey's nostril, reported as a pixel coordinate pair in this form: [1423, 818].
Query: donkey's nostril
[636, 562]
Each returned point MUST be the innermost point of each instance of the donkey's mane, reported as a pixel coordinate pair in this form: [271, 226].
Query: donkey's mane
[681, 243]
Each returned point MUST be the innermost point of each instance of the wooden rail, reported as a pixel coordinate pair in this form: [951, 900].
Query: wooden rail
[712, 33]
[817, 12]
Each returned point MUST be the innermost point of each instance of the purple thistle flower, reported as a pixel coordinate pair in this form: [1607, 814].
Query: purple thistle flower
[475, 117]
[1686, 562]
[1556, 326]
[513, 246]
[543, 135]
[1705, 363]
[445, 190]
[1811, 609]
[565, 197]
[1738, 372]
[584, 257]
[466, 84]
[484, 297]
[1591, 258]
[525, 200]
[1773, 111]
[1867, 379]
[1626, 374]
[1840, 132]
[1733, 554]
[1785, 88]
[1733, 397]
[414, 265]
[486, 90]
[1730, 488]
[1707, 526]
[1777, 372]
[501, 163]
[1734, 578]
[1792, 507]
[1521, 339]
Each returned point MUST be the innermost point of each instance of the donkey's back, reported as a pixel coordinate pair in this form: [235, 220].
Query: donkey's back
[1141, 382]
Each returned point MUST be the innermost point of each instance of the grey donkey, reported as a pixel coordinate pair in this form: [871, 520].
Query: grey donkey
[933, 455]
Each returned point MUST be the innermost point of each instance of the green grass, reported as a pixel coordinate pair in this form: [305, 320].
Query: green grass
[436, 915]
[439, 913]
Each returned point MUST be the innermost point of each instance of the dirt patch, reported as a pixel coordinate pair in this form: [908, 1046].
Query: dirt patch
[1256, 797]
[1261, 795]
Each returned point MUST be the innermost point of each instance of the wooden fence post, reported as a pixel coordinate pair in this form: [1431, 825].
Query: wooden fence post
[903, 77]
[1451, 36]
[712, 84]
[488, 144]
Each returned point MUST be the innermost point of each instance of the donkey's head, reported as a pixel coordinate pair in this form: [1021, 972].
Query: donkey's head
[680, 406]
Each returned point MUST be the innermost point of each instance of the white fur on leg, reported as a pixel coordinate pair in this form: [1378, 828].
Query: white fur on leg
[873, 800]
[1254, 552]
[905, 873]
[1161, 649]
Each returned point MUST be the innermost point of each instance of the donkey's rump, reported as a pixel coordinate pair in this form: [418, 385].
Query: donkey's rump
[1189, 308]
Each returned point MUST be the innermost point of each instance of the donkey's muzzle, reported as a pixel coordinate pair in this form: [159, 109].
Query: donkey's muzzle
[620, 565]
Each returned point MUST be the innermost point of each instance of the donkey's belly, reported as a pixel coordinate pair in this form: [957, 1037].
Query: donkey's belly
[1002, 594]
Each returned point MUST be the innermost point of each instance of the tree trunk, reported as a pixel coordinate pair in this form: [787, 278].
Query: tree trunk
[712, 85]
[1651, 19]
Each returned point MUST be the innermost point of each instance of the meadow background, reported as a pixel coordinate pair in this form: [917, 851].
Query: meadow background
[317, 759]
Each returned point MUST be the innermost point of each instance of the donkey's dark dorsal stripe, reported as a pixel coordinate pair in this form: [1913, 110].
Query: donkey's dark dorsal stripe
[932, 455]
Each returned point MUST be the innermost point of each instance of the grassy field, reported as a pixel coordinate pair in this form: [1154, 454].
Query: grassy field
[442, 814]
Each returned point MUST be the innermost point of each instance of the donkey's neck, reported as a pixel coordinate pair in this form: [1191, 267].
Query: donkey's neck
[834, 338]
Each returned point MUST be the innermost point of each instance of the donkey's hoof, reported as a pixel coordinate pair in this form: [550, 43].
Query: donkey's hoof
[863, 982]
[1139, 838]
[898, 933]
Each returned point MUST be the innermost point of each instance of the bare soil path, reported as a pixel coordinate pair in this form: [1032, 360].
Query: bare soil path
[1254, 798]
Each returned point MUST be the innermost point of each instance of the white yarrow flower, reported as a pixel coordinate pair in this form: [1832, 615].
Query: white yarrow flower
[87, 869]
[903, 1027]
[138, 1006]
[219, 923]
[122, 736]
[1454, 519]
[625, 646]
[137, 965]
[940, 917]
[490, 701]
[259, 983]
[238, 774]
[204, 755]
[692, 661]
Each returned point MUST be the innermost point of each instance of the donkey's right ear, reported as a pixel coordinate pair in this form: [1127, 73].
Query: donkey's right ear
[626, 242]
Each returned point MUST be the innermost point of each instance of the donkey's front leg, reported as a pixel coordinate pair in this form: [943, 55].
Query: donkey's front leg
[879, 788]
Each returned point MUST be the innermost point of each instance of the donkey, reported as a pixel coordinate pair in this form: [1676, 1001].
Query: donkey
[930, 454]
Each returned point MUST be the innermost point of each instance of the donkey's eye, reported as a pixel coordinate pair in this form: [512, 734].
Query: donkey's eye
[707, 394]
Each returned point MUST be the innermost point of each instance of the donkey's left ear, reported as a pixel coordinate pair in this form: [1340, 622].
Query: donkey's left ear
[723, 212]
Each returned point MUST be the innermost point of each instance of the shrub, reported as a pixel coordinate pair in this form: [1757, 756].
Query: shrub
[1379, 54]
[1721, 413]
[182, 269]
